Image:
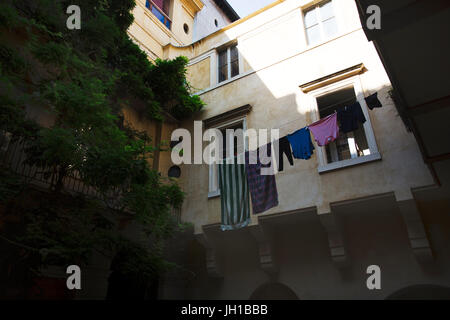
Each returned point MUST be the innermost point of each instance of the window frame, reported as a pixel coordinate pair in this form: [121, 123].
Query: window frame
[213, 178]
[227, 49]
[166, 18]
[374, 155]
[316, 7]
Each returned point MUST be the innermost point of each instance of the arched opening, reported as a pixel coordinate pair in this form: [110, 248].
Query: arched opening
[421, 292]
[273, 291]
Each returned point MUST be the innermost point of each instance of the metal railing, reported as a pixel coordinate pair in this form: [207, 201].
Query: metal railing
[158, 13]
[13, 157]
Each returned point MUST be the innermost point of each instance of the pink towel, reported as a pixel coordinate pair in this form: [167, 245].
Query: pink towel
[325, 130]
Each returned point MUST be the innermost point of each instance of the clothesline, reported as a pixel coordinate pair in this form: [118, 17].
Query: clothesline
[290, 121]
[338, 103]
[307, 126]
[237, 182]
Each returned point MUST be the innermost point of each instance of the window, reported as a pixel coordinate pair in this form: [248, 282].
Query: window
[320, 22]
[352, 148]
[234, 142]
[348, 145]
[160, 8]
[228, 66]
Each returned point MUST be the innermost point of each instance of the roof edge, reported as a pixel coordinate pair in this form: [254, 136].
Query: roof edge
[227, 9]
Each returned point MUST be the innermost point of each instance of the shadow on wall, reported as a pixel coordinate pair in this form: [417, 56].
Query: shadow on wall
[273, 291]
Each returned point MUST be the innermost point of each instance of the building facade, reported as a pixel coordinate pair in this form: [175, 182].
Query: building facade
[367, 199]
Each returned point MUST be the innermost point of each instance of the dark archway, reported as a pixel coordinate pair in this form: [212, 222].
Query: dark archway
[129, 285]
[273, 291]
[421, 292]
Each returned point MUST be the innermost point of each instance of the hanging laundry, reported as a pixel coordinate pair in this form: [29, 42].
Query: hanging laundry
[301, 143]
[284, 147]
[263, 188]
[372, 101]
[349, 117]
[325, 130]
[234, 197]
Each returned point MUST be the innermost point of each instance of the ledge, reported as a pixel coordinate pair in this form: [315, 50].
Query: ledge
[220, 84]
[349, 162]
[214, 194]
[229, 115]
[332, 78]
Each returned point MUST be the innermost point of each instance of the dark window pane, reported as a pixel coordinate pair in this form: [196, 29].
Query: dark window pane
[159, 3]
[234, 68]
[226, 137]
[223, 73]
[234, 60]
[166, 7]
[222, 58]
[233, 53]
[223, 66]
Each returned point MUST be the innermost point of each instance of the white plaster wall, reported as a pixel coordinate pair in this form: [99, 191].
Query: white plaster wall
[204, 20]
[274, 46]
[281, 61]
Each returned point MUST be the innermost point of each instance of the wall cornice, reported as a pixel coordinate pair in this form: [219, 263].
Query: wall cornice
[192, 6]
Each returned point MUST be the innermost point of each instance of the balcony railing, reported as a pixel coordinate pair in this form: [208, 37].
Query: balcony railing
[12, 156]
[158, 13]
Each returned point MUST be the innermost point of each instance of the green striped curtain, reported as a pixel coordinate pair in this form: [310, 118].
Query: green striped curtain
[234, 196]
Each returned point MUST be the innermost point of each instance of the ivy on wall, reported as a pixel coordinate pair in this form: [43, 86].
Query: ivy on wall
[83, 79]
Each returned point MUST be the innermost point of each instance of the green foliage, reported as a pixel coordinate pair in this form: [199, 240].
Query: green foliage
[51, 52]
[79, 227]
[12, 119]
[168, 78]
[83, 79]
[10, 185]
[8, 16]
[10, 61]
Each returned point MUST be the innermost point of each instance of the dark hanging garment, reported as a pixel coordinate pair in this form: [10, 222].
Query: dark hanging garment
[372, 101]
[350, 116]
[284, 147]
[263, 188]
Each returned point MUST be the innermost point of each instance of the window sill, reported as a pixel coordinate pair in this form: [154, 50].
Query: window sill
[220, 84]
[349, 162]
[213, 194]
